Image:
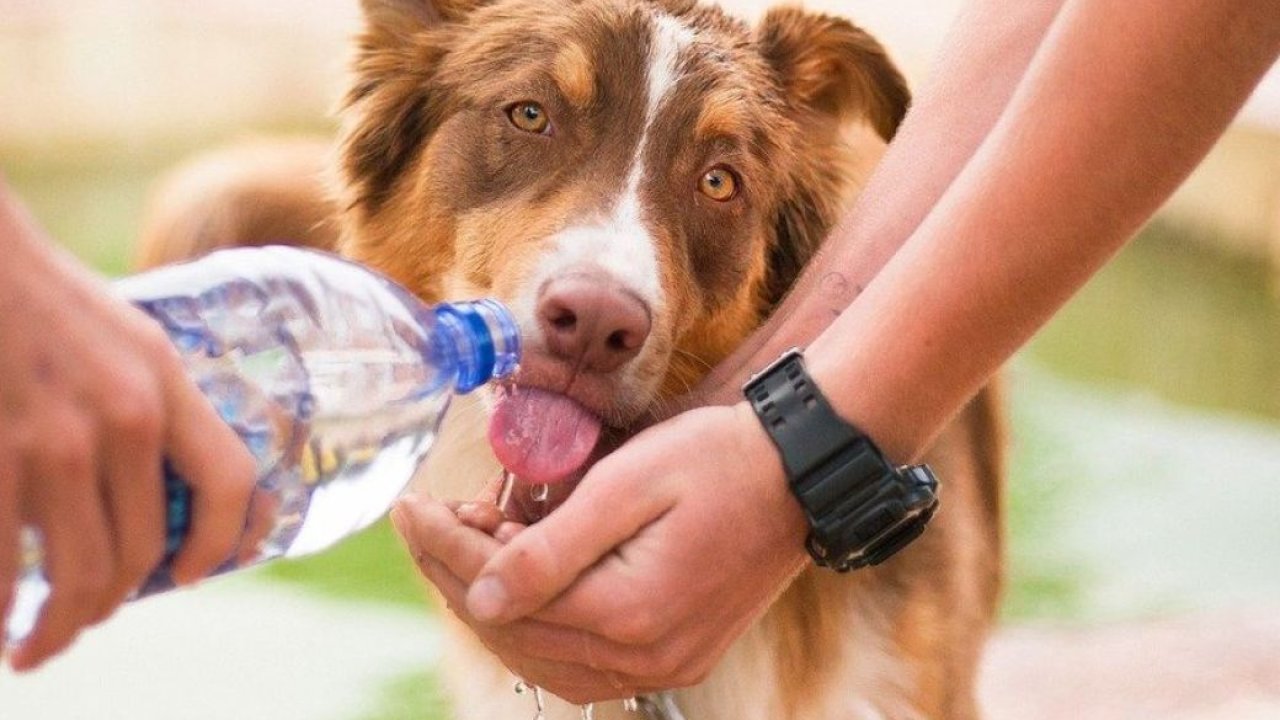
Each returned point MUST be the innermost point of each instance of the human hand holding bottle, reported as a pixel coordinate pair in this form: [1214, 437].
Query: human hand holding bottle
[93, 397]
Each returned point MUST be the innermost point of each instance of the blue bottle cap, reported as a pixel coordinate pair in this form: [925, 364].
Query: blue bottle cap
[488, 341]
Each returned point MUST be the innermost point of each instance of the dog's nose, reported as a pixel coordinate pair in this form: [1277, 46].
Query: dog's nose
[590, 320]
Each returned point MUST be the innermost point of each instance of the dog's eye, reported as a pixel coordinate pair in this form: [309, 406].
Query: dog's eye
[529, 117]
[719, 183]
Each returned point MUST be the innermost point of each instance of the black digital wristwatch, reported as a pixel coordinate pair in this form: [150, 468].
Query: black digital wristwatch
[860, 508]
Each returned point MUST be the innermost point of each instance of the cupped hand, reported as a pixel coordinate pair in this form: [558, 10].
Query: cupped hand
[93, 397]
[666, 552]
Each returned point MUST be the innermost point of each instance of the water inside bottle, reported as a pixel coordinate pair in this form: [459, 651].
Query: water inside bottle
[337, 417]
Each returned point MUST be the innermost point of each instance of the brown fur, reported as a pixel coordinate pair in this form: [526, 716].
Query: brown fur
[256, 194]
[439, 194]
[575, 74]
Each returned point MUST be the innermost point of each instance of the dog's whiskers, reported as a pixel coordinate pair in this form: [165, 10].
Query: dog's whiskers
[700, 361]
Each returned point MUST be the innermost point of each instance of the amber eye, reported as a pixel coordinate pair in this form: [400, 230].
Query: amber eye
[529, 117]
[719, 184]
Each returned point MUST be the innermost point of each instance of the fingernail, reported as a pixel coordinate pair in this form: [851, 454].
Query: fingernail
[397, 518]
[404, 511]
[487, 599]
[402, 526]
[406, 502]
[507, 532]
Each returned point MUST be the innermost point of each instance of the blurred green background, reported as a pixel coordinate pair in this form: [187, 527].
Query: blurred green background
[1145, 473]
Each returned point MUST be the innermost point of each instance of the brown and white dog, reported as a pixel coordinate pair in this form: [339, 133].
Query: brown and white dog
[640, 181]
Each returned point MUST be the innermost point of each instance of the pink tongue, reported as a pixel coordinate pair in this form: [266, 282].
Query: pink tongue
[542, 437]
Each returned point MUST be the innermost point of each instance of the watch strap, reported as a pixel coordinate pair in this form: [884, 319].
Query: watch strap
[860, 508]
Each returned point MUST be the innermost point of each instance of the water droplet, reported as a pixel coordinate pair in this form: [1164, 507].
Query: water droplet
[509, 383]
[540, 492]
[588, 712]
[504, 494]
[539, 702]
[631, 705]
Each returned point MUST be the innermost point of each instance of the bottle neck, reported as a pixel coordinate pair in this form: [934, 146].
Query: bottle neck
[486, 338]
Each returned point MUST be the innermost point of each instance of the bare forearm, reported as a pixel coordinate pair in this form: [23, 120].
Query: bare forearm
[974, 74]
[1118, 106]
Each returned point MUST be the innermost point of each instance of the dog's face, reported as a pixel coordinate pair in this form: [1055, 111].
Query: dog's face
[638, 180]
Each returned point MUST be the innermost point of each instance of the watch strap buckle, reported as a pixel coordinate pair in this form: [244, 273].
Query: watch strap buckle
[908, 502]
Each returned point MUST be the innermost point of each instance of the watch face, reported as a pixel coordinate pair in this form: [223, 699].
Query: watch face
[911, 500]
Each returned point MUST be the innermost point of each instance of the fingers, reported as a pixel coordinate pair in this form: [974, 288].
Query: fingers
[508, 531]
[217, 467]
[75, 539]
[9, 534]
[483, 516]
[542, 561]
[430, 530]
[131, 478]
[555, 648]
[450, 553]
[264, 507]
[433, 532]
[570, 680]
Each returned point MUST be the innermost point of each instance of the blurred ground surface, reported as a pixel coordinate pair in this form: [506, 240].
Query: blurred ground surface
[235, 649]
[1215, 666]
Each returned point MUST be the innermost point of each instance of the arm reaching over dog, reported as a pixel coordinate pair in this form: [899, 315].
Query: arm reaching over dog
[672, 545]
[93, 397]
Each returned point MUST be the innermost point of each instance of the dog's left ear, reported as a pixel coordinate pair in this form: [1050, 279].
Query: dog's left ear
[829, 65]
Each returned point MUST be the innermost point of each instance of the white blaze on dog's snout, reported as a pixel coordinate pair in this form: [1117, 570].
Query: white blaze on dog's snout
[621, 244]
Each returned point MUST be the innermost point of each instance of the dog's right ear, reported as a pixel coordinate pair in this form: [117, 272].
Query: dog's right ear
[401, 16]
[389, 109]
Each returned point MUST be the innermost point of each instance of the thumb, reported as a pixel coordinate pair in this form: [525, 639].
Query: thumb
[544, 560]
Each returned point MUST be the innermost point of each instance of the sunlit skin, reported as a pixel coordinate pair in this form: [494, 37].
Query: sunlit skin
[1004, 191]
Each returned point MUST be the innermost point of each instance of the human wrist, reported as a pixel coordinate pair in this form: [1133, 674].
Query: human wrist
[867, 390]
[764, 468]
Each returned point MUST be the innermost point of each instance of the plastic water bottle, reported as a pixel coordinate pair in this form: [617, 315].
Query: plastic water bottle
[335, 378]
